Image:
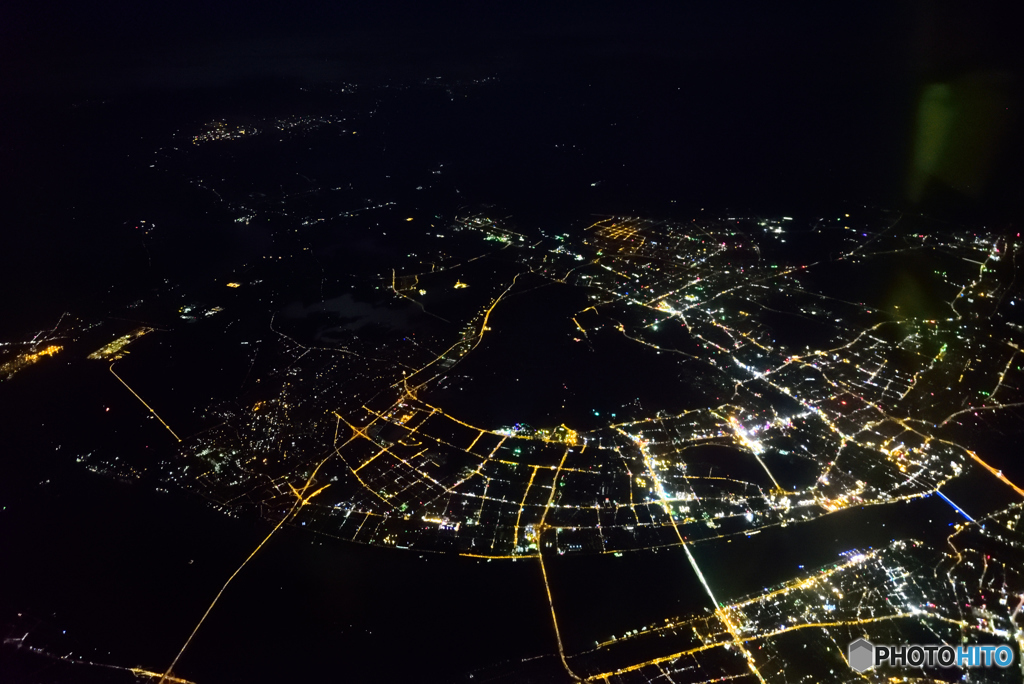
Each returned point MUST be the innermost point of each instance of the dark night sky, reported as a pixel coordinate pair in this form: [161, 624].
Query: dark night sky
[851, 73]
[132, 44]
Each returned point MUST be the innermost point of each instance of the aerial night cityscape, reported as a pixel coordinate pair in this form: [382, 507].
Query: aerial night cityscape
[644, 345]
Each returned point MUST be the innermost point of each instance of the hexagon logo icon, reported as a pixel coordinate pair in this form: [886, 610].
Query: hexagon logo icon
[862, 655]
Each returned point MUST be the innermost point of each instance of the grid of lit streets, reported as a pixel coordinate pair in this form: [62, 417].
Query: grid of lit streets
[874, 406]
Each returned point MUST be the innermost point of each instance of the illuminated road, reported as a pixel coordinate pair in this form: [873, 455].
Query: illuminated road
[143, 402]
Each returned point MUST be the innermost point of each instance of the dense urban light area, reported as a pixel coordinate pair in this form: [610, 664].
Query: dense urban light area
[349, 440]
